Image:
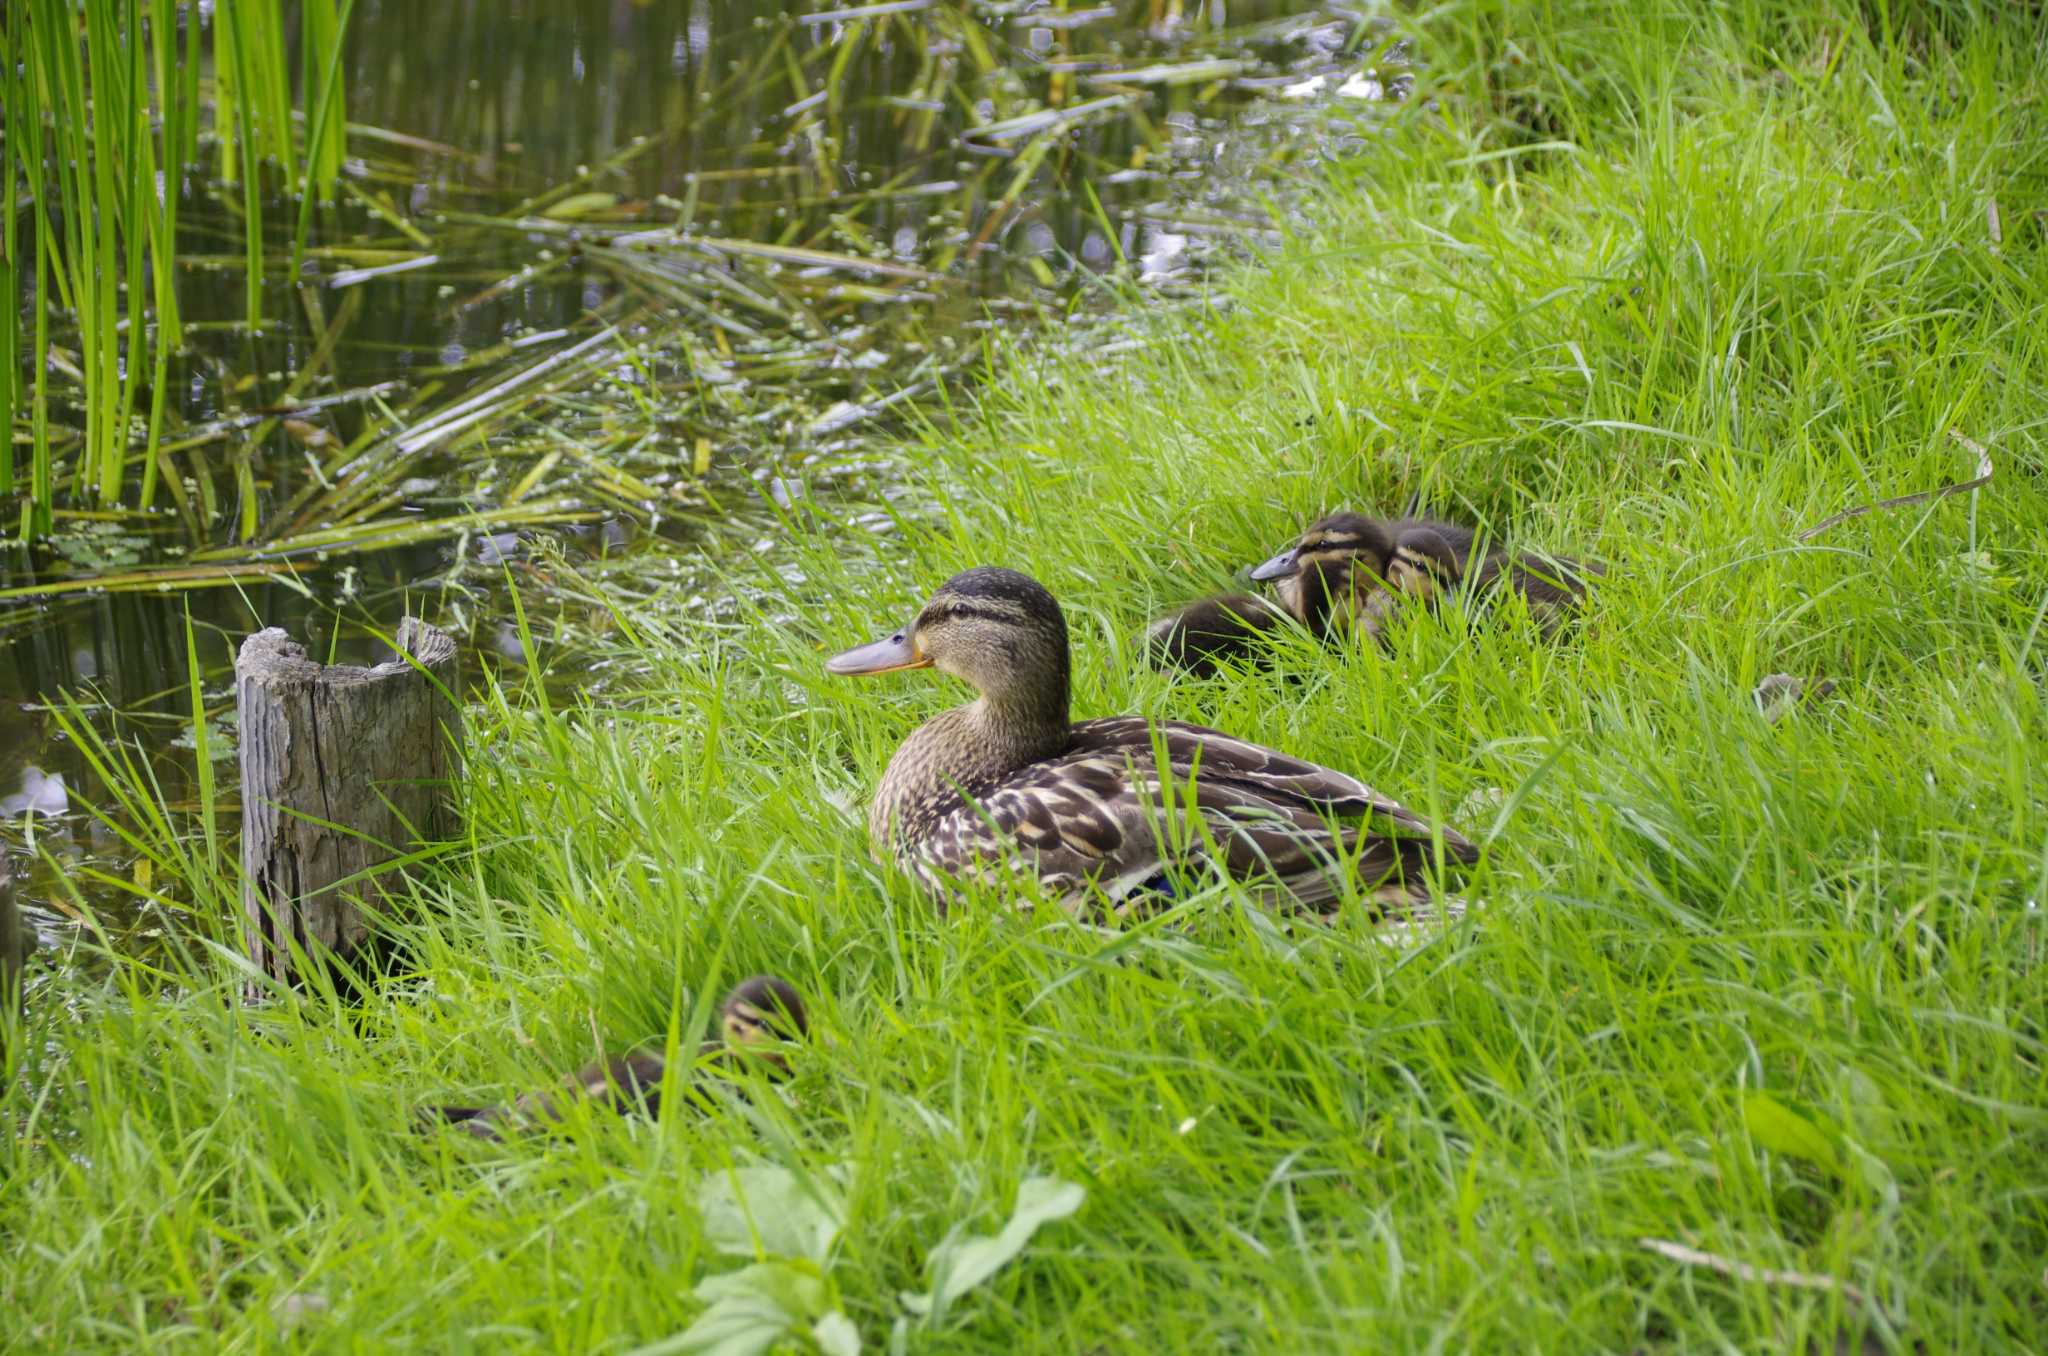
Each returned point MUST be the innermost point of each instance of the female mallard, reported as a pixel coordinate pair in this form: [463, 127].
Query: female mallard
[1350, 572]
[755, 1020]
[1005, 784]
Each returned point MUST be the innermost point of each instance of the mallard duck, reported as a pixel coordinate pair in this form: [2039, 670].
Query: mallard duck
[1006, 785]
[756, 1020]
[1348, 571]
[1351, 572]
[1199, 637]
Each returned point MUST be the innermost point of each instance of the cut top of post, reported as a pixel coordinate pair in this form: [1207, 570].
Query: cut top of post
[272, 653]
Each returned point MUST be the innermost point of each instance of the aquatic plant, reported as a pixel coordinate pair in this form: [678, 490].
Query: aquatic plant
[103, 112]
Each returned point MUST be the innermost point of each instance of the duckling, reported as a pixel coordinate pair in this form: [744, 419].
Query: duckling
[1780, 694]
[1006, 785]
[1336, 567]
[1348, 571]
[1351, 572]
[757, 1017]
[1199, 637]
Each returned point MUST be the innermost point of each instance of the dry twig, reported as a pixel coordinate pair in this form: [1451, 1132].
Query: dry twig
[1744, 1271]
[1983, 477]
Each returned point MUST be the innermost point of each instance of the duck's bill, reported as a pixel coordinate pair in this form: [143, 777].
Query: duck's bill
[884, 656]
[1279, 567]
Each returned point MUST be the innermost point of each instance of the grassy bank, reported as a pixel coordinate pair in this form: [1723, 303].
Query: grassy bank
[1665, 290]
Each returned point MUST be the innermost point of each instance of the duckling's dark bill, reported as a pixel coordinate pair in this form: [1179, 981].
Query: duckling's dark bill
[883, 656]
[1279, 567]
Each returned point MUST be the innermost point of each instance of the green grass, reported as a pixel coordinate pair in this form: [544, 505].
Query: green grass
[1660, 289]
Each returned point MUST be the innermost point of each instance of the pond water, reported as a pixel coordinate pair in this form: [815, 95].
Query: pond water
[610, 285]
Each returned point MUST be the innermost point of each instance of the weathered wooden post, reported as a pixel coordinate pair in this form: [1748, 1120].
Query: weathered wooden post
[343, 770]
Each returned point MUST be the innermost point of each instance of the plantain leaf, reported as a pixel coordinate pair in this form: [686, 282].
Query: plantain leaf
[769, 1211]
[1782, 1130]
[957, 1265]
[836, 1335]
[750, 1310]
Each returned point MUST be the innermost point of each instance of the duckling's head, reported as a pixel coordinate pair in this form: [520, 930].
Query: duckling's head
[1332, 548]
[998, 631]
[760, 1014]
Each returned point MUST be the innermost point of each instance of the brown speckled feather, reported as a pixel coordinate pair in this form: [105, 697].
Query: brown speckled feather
[1096, 816]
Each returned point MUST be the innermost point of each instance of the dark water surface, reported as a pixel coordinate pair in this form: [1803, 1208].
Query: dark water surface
[611, 285]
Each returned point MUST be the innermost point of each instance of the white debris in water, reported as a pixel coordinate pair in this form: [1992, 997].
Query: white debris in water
[1362, 86]
[1165, 256]
[40, 794]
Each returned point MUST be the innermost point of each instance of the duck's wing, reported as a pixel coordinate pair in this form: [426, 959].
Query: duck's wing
[1251, 771]
[1132, 798]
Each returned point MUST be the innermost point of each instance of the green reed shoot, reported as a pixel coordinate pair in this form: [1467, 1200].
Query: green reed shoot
[103, 109]
[12, 115]
[325, 123]
[238, 72]
[77, 233]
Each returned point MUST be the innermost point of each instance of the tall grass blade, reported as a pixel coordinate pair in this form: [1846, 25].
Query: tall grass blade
[233, 58]
[12, 115]
[102, 113]
[320, 43]
[202, 759]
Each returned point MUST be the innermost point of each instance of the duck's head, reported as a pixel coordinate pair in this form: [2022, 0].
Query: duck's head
[1332, 548]
[996, 630]
[760, 1016]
